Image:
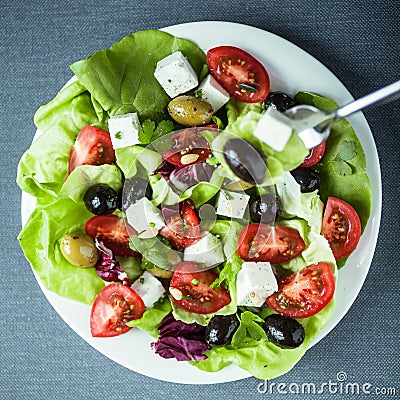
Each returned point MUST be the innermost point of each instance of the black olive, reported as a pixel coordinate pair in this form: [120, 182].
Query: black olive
[280, 101]
[220, 329]
[265, 208]
[245, 161]
[101, 199]
[134, 190]
[308, 179]
[284, 332]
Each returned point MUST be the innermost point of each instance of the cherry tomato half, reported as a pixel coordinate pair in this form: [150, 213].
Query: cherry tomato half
[341, 227]
[190, 289]
[111, 230]
[315, 155]
[239, 73]
[182, 226]
[92, 147]
[113, 307]
[304, 293]
[188, 147]
[275, 244]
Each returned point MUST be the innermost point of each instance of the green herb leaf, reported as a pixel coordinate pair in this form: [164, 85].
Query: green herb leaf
[146, 132]
[346, 150]
[249, 330]
[249, 88]
[340, 167]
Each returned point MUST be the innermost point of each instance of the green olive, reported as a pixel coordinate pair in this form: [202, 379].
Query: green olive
[190, 110]
[161, 273]
[79, 249]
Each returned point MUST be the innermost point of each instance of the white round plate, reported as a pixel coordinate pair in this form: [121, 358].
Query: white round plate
[291, 69]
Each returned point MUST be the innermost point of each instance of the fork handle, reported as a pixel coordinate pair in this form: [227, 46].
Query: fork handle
[388, 92]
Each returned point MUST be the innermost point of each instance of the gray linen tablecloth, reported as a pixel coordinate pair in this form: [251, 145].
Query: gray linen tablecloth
[40, 356]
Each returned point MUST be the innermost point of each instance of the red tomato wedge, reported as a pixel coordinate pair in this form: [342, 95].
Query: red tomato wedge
[303, 294]
[239, 73]
[92, 147]
[113, 307]
[314, 156]
[341, 227]
[182, 226]
[261, 242]
[111, 230]
[188, 147]
[190, 289]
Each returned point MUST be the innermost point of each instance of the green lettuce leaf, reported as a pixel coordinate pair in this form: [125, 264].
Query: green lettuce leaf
[121, 78]
[44, 166]
[199, 193]
[236, 109]
[85, 176]
[304, 212]
[40, 242]
[257, 355]
[343, 166]
[152, 317]
[244, 121]
[137, 161]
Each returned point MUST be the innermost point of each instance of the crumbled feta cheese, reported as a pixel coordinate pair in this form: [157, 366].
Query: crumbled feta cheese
[255, 282]
[149, 288]
[175, 74]
[207, 251]
[232, 204]
[124, 130]
[274, 129]
[144, 216]
[211, 91]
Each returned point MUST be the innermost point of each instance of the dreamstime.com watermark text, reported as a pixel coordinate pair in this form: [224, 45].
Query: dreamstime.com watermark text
[341, 385]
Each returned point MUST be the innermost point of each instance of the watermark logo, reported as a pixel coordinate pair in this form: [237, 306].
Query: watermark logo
[340, 385]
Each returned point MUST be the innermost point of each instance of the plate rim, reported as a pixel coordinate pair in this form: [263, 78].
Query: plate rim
[373, 223]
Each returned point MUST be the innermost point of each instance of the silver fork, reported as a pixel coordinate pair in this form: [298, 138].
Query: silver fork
[314, 125]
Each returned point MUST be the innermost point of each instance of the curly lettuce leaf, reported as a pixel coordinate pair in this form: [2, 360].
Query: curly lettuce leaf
[137, 161]
[44, 166]
[85, 176]
[40, 242]
[121, 78]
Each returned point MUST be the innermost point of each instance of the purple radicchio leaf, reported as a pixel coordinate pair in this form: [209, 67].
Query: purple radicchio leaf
[183, 178]
[181, 348]
[109, 269]
[179, 340]
[165, 169]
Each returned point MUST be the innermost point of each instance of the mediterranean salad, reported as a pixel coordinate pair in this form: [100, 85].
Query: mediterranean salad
[169, 199]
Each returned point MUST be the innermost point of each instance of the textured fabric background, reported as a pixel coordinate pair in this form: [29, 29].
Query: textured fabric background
[40, 356]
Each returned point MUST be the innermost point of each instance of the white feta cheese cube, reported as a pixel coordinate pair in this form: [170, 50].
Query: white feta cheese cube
[211, 91]
[149, 288]
[207, 250]
[124, 130]
[144, 216]
[232, 204]
[175, 74]
[274, 129]
[255, 282]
